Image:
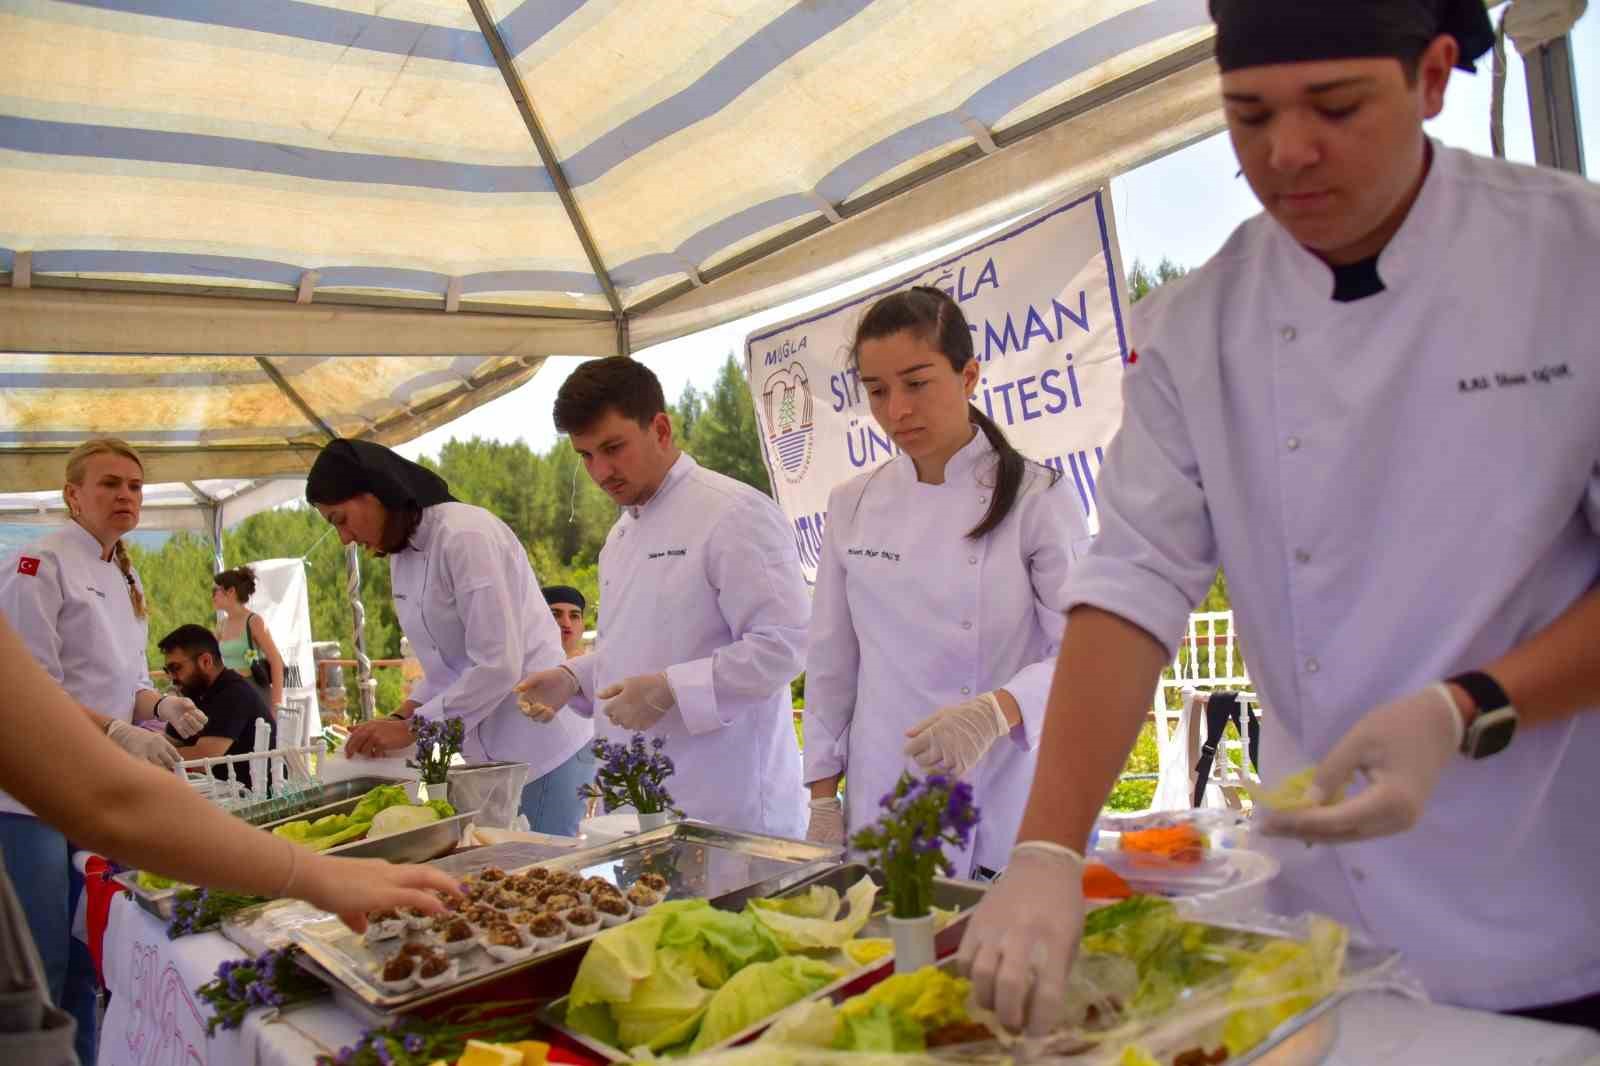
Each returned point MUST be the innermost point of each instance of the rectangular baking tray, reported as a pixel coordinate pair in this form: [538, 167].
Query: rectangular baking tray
[699, 861]
[311, 802]
[1303, 1040]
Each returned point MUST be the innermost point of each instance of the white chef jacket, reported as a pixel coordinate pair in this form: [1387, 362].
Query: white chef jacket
[910, 616]
[703, 582]
[469, 603]
[1399, 489]
[71, 608]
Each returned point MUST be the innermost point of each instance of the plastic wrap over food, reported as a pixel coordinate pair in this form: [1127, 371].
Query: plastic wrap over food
[1150, 988]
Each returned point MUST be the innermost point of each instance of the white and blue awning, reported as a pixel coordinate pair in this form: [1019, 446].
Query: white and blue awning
[485, 182]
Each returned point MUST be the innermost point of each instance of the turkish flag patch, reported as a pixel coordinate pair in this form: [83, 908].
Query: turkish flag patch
[1133, 357]
[28, 565]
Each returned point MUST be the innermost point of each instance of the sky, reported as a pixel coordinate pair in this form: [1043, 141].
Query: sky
[1158, 215]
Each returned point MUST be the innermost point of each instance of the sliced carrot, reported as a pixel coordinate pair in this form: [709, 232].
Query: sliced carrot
[1102, 882]
[1178, 843]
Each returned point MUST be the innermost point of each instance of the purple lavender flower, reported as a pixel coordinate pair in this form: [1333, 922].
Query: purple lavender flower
[414, 1043]
[380, 1047]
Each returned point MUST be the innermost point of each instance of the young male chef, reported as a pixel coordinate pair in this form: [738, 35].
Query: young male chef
[703, 611]
[1378, 408]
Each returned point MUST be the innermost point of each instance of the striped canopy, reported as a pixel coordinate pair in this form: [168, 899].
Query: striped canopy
[279, 197]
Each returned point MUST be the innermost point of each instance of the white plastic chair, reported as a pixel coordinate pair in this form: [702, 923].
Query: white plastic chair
[1208, 660]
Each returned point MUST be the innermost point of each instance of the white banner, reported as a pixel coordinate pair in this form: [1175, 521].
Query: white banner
[1044, 301]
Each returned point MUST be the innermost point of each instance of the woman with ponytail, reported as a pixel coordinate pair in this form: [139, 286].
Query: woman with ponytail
[939, 596]
[76, 602]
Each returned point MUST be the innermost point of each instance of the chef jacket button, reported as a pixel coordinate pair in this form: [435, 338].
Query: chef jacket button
[966, 625]
[1312, 666]
[983, 499]
[1302, 556]
[1287, 333]
[1358, 873]
[965, 691]
[973, 559]
[1293, 444]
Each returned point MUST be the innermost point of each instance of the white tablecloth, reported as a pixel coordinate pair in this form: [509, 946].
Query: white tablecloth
[155, 1018]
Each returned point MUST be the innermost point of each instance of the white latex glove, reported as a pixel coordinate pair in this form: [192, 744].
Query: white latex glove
[1020, 942]
[541, 696]
[827, 821]
[143, 744]
[639, 702]
[1401, 747]
[951, 740]
[181, 714]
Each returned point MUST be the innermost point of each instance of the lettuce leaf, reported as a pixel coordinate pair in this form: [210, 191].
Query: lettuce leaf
[758, 991]
[799, 932]
[716, 943]
[819, 901]
[378, 799]
[879, 1029]
[929, 999]
[658, 1011]
[815, 1024]
[442, 808]
[393, 820]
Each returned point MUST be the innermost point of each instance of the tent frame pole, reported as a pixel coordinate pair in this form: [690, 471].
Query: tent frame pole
[552, 164]
[1553, 106]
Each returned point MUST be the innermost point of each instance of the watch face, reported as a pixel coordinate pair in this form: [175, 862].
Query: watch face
[1492, 732]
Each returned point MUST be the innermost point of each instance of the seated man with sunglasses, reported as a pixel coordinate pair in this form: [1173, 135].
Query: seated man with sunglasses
[231, 704]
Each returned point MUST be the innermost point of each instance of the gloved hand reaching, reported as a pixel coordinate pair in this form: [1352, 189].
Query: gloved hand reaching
[1021, 940]
[181, 714]
[1401, 747]
[639, 702]
[827, 821]
[953, 739]
[143, 744]
[541, 695]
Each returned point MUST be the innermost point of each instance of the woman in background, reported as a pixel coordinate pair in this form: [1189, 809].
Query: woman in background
[938, 606]
[243, 635]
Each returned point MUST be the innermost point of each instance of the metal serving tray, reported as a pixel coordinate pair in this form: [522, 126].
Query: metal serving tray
[948, 894]
[313, 802]
[421, 844]
[159, 904]
[1303, 1040]
[698, 861]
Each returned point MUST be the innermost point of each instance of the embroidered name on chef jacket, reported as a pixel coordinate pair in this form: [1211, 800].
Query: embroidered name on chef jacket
[1544, 375]
[670, 553]
[874, 553]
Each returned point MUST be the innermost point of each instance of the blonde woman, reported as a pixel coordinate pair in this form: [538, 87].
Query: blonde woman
[76, 602]
[243, 635]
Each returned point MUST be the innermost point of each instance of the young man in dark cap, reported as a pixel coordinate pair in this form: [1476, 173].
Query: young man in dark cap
[566, 607]
[1378, 409]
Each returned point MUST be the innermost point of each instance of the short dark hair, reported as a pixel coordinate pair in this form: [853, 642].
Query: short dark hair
[616, 383]
[193, 639]
[241, 579]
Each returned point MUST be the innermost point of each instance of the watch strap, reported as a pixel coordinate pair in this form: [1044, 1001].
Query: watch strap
[1485, 691]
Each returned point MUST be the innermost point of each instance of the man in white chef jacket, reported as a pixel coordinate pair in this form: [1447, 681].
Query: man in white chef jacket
[1378, 408]
[703, 611]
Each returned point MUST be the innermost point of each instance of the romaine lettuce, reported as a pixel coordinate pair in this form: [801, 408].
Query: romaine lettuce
[760, 990]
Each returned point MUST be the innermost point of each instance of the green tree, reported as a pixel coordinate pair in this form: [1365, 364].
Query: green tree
[725, 437]
[1142, 281]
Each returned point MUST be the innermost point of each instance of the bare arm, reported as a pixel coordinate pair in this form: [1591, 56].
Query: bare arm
[1105, 674]
[1555, 673]
[205, 748]
[77, 780]
[269, 648]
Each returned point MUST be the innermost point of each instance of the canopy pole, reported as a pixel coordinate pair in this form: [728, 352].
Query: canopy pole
[552, 165]
[358, 623]
[1553, 102]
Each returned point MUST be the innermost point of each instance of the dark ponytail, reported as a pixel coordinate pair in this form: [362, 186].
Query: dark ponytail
[935, 317]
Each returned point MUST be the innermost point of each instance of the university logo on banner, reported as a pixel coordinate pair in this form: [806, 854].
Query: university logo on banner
[786, 402]
[1044, 303]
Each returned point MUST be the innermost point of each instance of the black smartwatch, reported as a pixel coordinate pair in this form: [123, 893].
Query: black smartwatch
[1496, 723]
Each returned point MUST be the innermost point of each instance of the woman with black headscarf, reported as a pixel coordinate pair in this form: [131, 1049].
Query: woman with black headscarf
[469, 603]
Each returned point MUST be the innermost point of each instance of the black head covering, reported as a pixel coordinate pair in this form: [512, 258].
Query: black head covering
[554, 594]
[346, 468]
[1255, 33]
